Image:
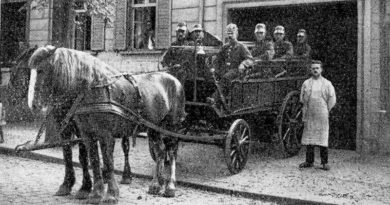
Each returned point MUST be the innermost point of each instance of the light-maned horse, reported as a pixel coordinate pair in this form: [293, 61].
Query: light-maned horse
[19, 82]
[158, 98]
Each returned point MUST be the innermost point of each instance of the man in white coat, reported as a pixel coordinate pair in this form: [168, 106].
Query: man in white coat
[318, 97]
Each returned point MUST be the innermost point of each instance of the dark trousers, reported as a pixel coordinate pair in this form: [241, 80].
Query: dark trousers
[226, 80]
[310, 154]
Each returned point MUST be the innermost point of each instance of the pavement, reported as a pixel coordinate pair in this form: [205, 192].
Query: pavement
[26, 181]
[353, 178]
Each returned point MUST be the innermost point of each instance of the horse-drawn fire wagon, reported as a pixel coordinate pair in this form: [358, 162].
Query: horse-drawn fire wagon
[263, 106]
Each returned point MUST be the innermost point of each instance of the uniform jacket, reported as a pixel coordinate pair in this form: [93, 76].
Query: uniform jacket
[230, 57]
[302, 50]
[263, 50]
[283, 49]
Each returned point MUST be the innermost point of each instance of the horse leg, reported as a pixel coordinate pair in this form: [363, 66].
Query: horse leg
[98, 187]
[1, 134]
[69, 179]
[157, 181]
[172, 147]
[107, 146]
[86, 187]
[126, 177]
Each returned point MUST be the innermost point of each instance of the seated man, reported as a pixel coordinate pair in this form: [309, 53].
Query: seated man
[232, 60]
[264, 49]
[172, 60]
[302, 49]
[197, 34]
[283, 48]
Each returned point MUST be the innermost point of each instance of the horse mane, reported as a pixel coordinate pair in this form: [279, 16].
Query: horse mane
[73, 69]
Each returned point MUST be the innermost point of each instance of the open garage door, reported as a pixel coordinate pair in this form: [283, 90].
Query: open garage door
[332, 30]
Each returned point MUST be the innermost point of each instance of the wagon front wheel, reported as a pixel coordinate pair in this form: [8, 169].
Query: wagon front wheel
[290, 125]
[237, 144]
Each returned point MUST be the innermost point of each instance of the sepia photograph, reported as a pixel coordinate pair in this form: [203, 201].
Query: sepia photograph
[225, 102]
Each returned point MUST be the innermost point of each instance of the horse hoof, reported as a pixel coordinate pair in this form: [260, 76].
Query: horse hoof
[169, 193]
[110, 200]
[81, 194]
[63, 191]
[154, 190]
[126, 180]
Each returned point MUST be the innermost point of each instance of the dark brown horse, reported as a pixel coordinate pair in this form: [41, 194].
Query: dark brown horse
[158, 98]
[20, 75]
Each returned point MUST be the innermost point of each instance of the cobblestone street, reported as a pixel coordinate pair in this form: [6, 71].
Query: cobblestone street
[353, 179]
[24, 181]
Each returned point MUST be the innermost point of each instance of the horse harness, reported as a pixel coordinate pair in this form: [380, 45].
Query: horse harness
[105, 106]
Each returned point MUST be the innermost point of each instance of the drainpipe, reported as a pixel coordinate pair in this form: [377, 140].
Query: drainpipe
[201, 12]
[1, 42]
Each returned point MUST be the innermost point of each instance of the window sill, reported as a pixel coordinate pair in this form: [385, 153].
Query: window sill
[142, 52]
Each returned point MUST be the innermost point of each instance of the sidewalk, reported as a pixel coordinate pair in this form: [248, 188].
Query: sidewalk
[353, 179]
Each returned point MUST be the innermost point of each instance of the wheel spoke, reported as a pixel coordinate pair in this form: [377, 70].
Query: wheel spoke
[233, 152]
[244, 151]
[244, 139]
[234, 157]
[285, 134]
[237, 165]
[297, 115]
[243, 133]
[295, 137]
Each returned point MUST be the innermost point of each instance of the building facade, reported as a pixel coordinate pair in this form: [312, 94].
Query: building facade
[351, 37]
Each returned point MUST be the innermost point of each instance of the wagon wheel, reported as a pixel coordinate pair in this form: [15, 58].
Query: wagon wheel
[290, 125]
[237, 144]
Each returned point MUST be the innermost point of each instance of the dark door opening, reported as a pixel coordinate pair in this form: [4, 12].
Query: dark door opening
[13, 31]
[332, 34]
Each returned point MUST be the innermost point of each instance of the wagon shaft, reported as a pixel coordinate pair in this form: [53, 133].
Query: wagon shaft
[29, 146]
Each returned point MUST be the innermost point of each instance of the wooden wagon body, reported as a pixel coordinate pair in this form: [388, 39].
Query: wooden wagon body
[265, 101]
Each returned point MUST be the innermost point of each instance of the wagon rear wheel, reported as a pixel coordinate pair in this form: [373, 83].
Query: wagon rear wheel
[237, 144]
[290, 125]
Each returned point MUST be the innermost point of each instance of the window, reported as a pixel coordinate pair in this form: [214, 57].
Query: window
[82, 31]
[144, 24]
[82, 34]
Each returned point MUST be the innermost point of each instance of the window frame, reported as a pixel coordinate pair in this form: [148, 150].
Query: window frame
[132, 6]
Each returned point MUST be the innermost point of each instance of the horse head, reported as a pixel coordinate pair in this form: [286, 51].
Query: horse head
[40, 83]
[61, 74]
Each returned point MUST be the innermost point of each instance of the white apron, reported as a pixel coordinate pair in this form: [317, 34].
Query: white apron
[316, 123]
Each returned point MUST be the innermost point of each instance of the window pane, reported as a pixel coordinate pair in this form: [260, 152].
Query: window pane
[138, 12]
[139, 1]
[144, 27]
[152, 1]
